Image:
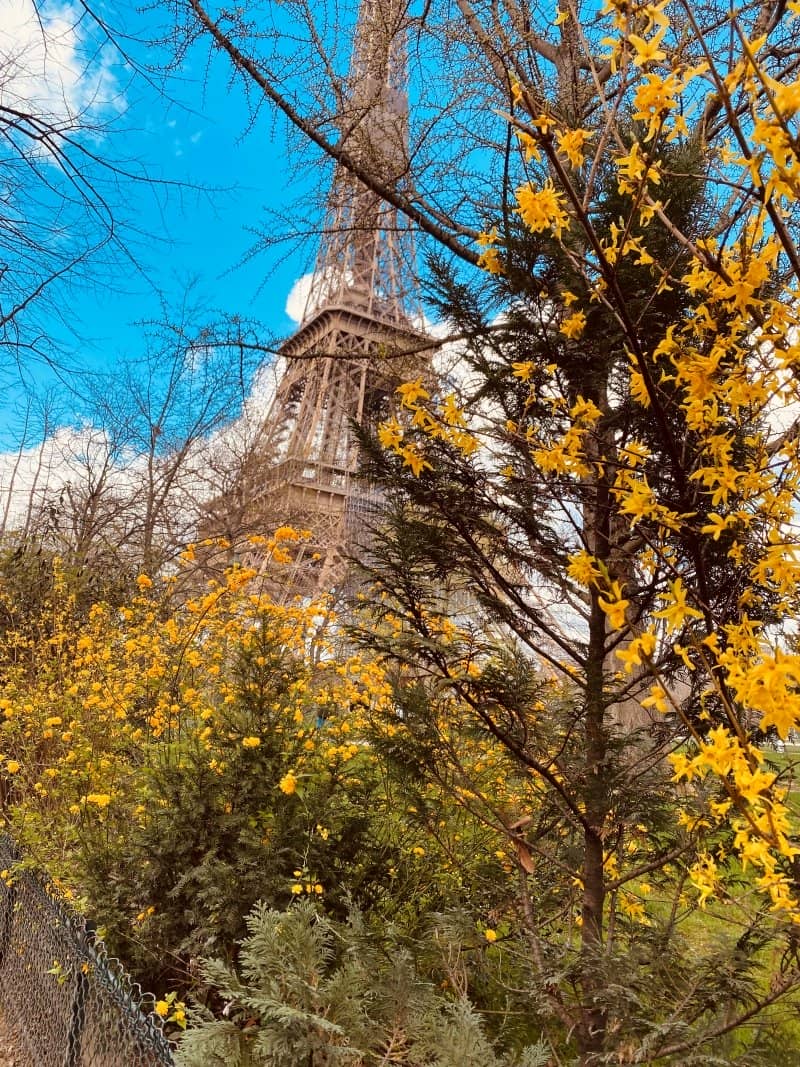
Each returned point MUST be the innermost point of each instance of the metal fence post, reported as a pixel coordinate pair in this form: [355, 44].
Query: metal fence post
[9, 903]
[77, 1019]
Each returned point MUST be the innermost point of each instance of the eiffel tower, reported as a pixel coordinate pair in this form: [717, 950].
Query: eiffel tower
[360, 335]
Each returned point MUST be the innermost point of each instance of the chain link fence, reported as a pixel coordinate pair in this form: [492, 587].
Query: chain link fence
[70, 1004]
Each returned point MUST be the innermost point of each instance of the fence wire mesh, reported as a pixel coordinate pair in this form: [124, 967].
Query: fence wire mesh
[70, 1003]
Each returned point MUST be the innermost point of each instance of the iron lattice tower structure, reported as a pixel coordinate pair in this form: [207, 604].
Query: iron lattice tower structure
[360, 334]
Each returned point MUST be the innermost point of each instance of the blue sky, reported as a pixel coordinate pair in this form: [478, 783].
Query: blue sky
[212, 179]
[217, 181]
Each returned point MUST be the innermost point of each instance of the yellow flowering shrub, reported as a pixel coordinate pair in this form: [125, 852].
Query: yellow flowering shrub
[174, 758]
[210, 740]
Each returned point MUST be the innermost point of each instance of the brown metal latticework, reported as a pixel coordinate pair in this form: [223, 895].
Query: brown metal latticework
[360, 335]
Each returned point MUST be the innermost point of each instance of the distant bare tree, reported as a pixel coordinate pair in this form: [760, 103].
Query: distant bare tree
[63, 217]
[25, 466]
[129, 485]
[471, 66]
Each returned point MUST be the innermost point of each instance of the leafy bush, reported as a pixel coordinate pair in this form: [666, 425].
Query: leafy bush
[312, 992]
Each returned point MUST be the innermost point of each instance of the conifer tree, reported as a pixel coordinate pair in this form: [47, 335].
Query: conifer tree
[576, 556]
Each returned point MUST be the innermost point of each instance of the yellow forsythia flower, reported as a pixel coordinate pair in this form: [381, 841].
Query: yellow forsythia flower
[288, 533]
[542, 209]
[490, 261]
[411, 392]
[251, 742]
[288, 784]
[614, 606]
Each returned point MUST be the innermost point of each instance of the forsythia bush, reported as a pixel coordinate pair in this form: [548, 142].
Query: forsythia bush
[176, 759]
[173, 759]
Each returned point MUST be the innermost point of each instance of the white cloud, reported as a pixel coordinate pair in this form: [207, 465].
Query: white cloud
[30, 477]
[311, 291]
[297, 300]
[49, 65]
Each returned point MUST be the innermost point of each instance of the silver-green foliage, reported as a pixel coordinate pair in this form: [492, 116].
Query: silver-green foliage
[309, 992]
